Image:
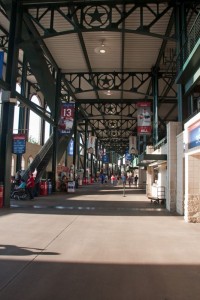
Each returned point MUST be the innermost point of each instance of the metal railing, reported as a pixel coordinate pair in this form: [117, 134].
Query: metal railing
[190, 43]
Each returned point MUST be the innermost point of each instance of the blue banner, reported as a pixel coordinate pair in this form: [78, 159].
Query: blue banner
[128, 156]
[1, 64]
[19, 144]
[105, 159]
[70, 148]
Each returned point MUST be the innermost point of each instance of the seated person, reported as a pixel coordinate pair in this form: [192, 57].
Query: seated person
[22, 185]
[19, 189]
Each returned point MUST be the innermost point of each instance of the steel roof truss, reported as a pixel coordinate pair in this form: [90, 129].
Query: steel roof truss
[96, 17]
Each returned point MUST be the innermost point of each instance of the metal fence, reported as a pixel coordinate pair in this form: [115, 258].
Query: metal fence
[190, 43]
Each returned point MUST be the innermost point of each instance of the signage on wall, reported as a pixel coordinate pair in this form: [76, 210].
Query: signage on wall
[144, 118]
[194, 135]
[19, 144]
[66, 121]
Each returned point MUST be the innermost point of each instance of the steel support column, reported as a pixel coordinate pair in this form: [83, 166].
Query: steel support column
[75, 139]
[78, 152]
[55, 131]
[8, 100]
[85, 149]
[180, 29]
[21, 123]
[155, 105]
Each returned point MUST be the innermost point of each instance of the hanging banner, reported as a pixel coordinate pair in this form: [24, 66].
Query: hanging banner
[70, 148]
[100, 153]
[128, 156]
[144, 118]
[105, 159]
[91, 144]
[19, 144]
[66, 121]
[1, 64]
[133, 145]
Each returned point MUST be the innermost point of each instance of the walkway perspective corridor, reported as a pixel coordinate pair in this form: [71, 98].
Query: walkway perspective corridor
[97, 244]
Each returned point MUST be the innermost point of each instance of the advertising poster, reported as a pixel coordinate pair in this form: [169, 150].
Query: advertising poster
[19, 144]
[66, 121]
[133, 145]
[144, 118]
[100, 154]
[91, 144]
[194, 135]
[128, 156]
[70, 148]
[105, 159]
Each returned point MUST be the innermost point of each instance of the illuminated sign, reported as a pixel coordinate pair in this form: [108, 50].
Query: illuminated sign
[194, 135]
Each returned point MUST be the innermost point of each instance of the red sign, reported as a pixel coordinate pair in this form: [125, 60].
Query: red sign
[66, 118]
[144, 118]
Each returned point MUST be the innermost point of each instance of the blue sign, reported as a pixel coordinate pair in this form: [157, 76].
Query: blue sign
[105, 159]
[194, 136]
[19, 144]
[1, 64]
[70, 148]
[128, 156]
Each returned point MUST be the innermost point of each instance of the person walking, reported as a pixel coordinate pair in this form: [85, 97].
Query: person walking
[123, 178]
[30, 186]
[136, 180]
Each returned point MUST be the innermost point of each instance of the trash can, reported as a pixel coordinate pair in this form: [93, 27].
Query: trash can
[43, 188]
[1, 194]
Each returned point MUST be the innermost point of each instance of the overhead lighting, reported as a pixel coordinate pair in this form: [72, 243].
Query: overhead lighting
[101, 49]
[108, 92]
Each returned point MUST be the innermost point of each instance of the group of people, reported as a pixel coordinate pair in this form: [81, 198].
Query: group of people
[21, 185]
[131, 179]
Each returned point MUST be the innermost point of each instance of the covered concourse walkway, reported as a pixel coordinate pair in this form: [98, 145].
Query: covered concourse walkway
[97, 244]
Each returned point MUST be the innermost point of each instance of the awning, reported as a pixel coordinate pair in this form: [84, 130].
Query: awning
[147, 159]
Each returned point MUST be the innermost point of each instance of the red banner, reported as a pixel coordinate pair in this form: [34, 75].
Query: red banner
[66, 118]
[144, 118]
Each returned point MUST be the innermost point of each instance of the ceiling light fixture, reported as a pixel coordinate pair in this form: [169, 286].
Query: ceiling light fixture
[108, 92]
[101, 49]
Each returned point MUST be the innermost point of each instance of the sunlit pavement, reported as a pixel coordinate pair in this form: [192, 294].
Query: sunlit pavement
[99, 243]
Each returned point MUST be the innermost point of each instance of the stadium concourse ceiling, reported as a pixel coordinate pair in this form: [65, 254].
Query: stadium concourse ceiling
[110, 55]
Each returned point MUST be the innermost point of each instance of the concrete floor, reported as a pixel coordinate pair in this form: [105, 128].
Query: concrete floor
[97, 244]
